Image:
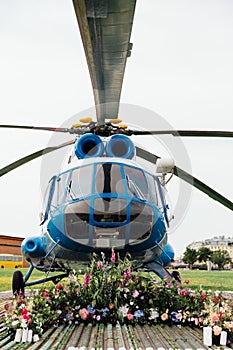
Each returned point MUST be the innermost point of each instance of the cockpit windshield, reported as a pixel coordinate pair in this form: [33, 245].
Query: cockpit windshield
[104, 179]
[105, 204]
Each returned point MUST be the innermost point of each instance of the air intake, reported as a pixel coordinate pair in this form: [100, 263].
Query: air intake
[89, 145]
[120, 146]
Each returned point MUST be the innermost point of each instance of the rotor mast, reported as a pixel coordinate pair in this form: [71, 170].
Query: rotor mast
[105, 28]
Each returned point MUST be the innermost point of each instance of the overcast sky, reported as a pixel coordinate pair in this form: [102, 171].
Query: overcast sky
[181, 68]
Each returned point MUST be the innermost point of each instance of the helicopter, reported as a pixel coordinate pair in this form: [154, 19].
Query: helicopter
[104, 198]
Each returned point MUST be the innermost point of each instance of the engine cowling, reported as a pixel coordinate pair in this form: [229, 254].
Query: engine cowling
[89, 145]
[120, 146]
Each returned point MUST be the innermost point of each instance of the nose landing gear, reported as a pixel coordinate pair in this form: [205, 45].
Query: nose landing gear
[18, 283]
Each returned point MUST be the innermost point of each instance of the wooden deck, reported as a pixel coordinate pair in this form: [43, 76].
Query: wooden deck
[107, 337]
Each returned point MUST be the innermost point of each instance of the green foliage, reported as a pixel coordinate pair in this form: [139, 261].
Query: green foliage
[190, 256]
[221, 258]
[204, 254]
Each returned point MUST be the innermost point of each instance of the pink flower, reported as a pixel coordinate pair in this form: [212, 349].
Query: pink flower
[84, 313]
[124, 275]
[185, 293]
[135, 293]
[113, 257]
[130, 316]
[128, 273]
[179, 316]
[100, 265]
[86, 280]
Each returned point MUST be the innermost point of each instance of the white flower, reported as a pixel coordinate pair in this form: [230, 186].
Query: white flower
[14, 323]
[153, 314]
[124, 310]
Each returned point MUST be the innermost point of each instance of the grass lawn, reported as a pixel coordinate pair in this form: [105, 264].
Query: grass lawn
[6, 277]
[215, 280]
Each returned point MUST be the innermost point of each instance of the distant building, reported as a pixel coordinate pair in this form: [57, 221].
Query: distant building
[215, 243]
[11, 245]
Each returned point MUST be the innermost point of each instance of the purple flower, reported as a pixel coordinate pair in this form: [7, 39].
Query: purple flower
[90, 309]
[86, 280]
[105, 311]
[138, 313]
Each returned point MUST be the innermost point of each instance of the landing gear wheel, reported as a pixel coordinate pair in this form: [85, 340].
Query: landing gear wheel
[18, 283]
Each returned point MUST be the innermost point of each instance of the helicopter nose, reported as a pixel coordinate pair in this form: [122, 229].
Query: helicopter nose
[109, 221]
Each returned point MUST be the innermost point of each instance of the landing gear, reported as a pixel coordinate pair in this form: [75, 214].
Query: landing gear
[18, 283]
[159, 270]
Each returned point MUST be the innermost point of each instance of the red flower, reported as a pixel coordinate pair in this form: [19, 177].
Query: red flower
[24, 311]
[45, 293]
[59, 286]
[203, 297]
[26, 317]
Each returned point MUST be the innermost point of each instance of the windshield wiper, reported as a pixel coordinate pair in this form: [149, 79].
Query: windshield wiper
[134, 189]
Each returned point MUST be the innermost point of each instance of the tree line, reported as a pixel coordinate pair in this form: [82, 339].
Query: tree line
[204, 254]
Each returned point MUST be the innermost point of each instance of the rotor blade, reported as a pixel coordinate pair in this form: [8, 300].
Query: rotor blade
[32, 156]
[140, 152]
[35, 128]
[201, 186]
[186, 133]
[105, 28]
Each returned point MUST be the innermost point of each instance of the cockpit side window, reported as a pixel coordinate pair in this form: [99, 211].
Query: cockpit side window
[47, 200]
[80, 184]
[136, 183]
[153, 188]
[60, 190]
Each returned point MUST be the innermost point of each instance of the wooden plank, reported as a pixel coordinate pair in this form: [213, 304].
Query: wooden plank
[112, 337]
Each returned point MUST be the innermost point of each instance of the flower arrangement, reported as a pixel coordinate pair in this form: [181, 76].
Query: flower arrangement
[113, 291]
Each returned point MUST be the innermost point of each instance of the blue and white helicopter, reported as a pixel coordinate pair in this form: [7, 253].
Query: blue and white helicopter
[104, 199]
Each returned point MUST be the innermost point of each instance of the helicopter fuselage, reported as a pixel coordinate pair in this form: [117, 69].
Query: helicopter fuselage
[103, 200]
